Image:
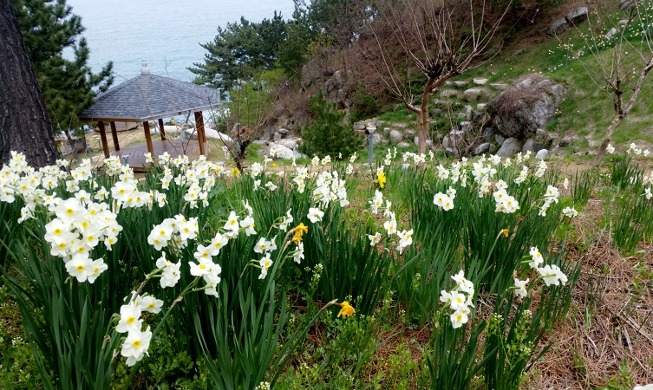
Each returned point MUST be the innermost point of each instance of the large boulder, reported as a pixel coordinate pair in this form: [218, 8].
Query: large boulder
[510, 147]
[525, 107]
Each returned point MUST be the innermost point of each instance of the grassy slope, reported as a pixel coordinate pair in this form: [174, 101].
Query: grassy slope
[586, 111]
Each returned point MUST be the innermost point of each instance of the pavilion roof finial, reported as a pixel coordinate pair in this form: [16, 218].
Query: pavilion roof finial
[144, 68]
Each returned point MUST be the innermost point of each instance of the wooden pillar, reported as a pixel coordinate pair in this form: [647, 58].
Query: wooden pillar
[103, 139]
[162, 131]
[114, 134]
[148, 138]
[201, 136]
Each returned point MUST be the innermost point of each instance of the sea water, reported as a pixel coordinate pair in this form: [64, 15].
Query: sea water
[165, 33]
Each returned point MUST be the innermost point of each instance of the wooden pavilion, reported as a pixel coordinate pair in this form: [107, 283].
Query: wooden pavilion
[149, 97]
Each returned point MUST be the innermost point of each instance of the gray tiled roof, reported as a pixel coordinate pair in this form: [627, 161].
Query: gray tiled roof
[148, 97]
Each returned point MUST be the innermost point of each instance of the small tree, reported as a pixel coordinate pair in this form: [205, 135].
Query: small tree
[622, 72]
[329, 133]
[440, 39]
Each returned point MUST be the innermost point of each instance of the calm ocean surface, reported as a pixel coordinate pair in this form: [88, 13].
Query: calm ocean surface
[165, 33]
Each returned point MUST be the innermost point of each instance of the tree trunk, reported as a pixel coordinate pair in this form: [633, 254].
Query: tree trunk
[423, 117]
[625, 111]
[24, 124]
[606, 140]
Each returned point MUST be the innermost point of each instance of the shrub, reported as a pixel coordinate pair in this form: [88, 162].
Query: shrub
[328, 133]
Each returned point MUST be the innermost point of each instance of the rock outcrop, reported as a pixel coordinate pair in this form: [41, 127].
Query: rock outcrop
[526, 106]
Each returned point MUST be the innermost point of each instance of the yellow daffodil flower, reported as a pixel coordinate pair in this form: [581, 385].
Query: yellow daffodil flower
[299, 232]
[381, 179]
[346, 310]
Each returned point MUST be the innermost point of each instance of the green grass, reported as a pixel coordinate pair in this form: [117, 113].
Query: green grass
[586, 110]
[398, 114]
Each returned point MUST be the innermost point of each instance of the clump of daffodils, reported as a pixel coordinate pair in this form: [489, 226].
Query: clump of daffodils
[77, 228]
[550, 196]
[445, 201]
[633, 149]
[459, 300]
[330, 188]
[137, 342]
[504, 203]
[551, 274]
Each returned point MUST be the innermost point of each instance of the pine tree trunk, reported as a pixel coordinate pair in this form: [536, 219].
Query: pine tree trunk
[24, 125]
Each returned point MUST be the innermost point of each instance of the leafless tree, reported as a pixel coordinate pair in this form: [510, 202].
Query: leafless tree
[622, 70]
[441, 39]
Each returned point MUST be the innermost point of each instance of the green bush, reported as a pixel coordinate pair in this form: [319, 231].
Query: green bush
[329, 133]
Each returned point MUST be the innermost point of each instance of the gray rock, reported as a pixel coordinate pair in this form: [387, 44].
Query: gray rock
[310, 72]
[542, 136]
[260, 142]
[460, 83]
[542, 154]
[624, 22]
[482, 148]
[283, 131]
[577, 15]
[403, 145]
[409, 133]
[465, 126]
[428, 142]
[434, 112]
[473, 94]
[359, 126]
[610, 34]
[525, 107]
[290, 143]
[278, 151]
[468, 112]
[499, 86]
[377, 139]
[627, 5]
[453, 140]
[481, 106]
[532, 145]
[510, 147]
[277, 136]
[395, 136]
[480, 80]
[447, 93]
[558, 26]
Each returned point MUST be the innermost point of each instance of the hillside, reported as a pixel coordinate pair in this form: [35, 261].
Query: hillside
[572, 58]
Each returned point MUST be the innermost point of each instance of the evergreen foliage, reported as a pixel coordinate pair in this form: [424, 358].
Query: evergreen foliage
[240, 51]
[49, 29]
[329, 133]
